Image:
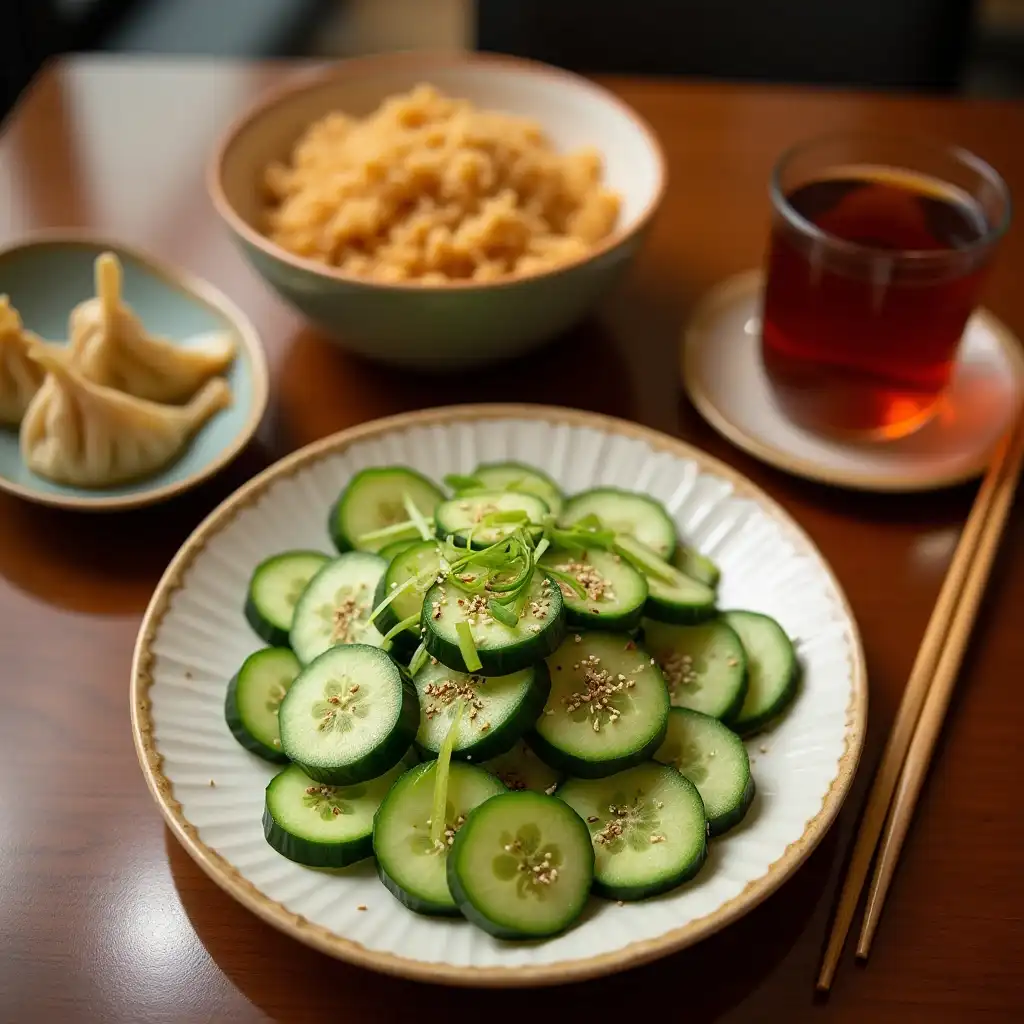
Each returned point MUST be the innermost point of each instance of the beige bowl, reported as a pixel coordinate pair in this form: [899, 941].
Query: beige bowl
[460, 324]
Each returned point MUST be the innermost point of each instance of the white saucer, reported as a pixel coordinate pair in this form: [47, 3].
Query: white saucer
[722, 372]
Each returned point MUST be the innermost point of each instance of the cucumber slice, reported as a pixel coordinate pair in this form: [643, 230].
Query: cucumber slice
[254, 697]
[679, 599]
[464, 513]
[521, 768]
[608, 708]
[276, 584]
[349, 716]
[409, 865]
[697, 566]
[499, 709]
[616, 592]
[417, 559]
[705, 666]
[772, 670]
[375, 499]
[515, 476]
[648, 829]
[502, 649]
[389, 551]
[626, 512]
[715, 760]
[336, 604]
[522, 866]
[324, 826]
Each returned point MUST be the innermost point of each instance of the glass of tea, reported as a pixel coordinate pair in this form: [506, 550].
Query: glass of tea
[879, 249]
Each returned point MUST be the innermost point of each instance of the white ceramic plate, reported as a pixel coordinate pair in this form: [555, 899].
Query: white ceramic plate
[723, 374]
[193, 638]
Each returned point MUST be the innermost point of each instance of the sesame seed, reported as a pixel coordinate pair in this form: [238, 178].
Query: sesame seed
[362, 906]
[212, 783]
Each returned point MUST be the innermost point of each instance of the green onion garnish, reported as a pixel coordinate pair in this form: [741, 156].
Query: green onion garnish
[416, 516]
[444, 760]
[395, 532]
[570, 581]
[467, 648]
[502, 613]
[400, 628]
[646, 559]
[418, 660]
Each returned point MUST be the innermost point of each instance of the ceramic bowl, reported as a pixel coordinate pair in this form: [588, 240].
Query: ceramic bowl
[48, 275]
[459, 324]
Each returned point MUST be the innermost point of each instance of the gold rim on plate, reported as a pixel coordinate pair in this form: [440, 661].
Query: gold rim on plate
[739, 287]
[235, 884]
[203, 293]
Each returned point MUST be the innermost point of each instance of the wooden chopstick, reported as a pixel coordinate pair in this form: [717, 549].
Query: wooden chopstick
[1001, 476]
[929, 725]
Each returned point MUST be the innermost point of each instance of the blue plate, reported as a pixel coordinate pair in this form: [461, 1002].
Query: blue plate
[47, 277]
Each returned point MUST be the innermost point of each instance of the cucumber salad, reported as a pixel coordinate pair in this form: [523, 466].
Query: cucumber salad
[508, 698]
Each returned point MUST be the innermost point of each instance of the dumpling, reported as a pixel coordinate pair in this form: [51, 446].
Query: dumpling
[20, 376]
[80, 433]
[110, 346]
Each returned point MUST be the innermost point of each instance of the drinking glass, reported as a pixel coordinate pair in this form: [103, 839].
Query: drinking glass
[879, 248]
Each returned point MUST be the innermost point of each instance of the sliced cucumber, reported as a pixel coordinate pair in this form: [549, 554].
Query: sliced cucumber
[636, 515]
[514, 476]
[522, 866]
[695, 565]
[349, 716]
[648, 828]
[616, 592]
[715, 760]
[464, 516]
[389, 551]
[422, 559]
[375, 499]
[772, 670]
[705, 666]
[254, 697]
[410, 866]
[521, 768]
[276, 584]
[324, 826]
[501, 649]
[336, 604]
[681, 600]
[608, 707]
[498, 709]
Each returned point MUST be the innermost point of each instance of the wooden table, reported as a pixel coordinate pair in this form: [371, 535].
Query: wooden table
[105, 918]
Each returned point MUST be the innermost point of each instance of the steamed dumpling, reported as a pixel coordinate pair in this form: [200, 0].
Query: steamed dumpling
[110, 347]
[80, 433]
[20, 376]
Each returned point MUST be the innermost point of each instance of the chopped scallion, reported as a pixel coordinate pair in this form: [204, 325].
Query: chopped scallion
[444, 760]
[467, 647]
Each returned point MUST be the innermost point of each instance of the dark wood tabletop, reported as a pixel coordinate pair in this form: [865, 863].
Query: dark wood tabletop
[103, 917]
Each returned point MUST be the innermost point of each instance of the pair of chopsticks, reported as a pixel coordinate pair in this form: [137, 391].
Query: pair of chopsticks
[908, 751]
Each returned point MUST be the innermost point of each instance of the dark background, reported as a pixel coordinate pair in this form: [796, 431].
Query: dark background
[961, 46]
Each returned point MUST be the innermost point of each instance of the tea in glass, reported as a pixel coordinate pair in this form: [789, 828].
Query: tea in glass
[878, 254]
